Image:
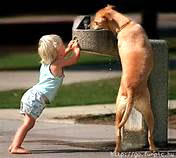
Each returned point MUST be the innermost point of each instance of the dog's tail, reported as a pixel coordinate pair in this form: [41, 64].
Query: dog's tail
[130, 101]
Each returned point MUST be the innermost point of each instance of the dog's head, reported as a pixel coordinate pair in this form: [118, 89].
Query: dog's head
[101, 18]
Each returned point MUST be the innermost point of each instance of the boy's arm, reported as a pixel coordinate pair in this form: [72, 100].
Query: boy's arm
[75, 57]
[67, 50]
[69, 47]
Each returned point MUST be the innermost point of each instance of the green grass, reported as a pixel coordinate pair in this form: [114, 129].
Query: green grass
[96, 92]
[172, 85]
[172, 112]
[67, 96]
[10, 99]
[26, 60]
[31, 60]
[19, 61]
[172, 47]
[94, 59]
[86, 93]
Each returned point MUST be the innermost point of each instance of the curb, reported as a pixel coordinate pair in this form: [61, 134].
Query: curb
[68, 114]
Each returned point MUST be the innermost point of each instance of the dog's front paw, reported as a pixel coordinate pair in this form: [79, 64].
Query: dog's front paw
[117, 149]
[153, 149]
[115, 154]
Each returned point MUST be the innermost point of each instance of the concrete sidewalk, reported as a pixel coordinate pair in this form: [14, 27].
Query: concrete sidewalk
[61, 114]
[65, 139]
[53, 140]
[67, 114]
[25, 79]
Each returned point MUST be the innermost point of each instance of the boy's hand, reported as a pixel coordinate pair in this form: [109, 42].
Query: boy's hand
[69, 46]
[72, 44]
[75, 45]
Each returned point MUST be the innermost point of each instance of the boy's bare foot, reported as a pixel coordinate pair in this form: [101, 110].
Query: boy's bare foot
[9, 149]
[18, 150]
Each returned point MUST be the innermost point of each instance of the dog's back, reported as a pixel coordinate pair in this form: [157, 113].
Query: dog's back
[135, 52]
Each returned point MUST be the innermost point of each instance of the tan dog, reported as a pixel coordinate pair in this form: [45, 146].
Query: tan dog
[137, 61]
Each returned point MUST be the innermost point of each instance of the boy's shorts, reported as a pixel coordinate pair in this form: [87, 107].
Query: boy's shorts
[33, 103]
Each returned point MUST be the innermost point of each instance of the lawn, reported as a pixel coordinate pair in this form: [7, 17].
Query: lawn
[19, 61]
[97, 92]
[31, 61]
[172, 85]
[92, 95]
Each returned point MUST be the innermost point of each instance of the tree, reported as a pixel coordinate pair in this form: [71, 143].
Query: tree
[149, 19]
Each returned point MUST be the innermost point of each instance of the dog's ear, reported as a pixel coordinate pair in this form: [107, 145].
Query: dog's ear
[108, 10]
[109, 6]
[108, 16]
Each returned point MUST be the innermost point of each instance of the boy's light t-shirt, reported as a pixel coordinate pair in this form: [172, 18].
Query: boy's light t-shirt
[48, 84]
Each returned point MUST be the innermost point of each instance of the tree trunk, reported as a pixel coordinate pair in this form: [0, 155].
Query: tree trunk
[149, 20]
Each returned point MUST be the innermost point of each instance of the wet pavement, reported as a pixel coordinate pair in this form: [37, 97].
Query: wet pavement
[53, 140]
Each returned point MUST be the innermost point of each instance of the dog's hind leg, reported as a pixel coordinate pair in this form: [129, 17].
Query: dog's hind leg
[118, 132]
[120, 109]
[144, 106]
[127, 102]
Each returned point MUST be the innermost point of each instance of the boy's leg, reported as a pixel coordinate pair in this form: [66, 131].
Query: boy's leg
[15, 147]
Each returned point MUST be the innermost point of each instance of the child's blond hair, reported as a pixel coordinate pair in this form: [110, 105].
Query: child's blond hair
[47, 47]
